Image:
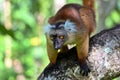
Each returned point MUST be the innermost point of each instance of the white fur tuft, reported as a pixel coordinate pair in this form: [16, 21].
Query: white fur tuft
[47, 28]
[69, 26]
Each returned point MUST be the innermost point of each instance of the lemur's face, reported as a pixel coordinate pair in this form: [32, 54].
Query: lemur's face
[58, 33]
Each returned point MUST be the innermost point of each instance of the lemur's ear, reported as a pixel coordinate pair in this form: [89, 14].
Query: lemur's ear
[69, 26]
[51, 20]
[47, 28]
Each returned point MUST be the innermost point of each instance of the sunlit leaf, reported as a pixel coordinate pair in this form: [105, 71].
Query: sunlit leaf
[108, 22]
[115, 16]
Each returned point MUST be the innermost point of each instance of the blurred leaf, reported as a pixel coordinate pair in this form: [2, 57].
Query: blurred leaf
[4, 31]
[118, 5]
[74, 1]
[109, 22]
[115, 16]
[24, 16]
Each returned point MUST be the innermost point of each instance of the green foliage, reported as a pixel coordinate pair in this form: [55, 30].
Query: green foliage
[74, 1]
[4, 31]
[27, 45]
[114, 17]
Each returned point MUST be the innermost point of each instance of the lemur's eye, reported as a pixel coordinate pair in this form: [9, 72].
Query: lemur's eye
[61, 37]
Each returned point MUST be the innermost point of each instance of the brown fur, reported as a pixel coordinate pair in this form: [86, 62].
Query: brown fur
[84, 19]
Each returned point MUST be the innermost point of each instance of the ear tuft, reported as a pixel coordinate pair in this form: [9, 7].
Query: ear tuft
[69, 26]
[47, 28]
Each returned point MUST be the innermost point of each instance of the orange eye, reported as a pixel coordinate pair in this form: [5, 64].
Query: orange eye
[61, 37]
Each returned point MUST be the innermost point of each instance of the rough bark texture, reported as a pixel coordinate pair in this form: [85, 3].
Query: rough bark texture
[103, 59]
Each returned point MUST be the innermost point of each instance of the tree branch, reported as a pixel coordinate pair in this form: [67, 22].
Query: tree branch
[104, 60]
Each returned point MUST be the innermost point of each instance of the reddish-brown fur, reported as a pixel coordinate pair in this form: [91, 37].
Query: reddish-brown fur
[84, 19]
[76, 13]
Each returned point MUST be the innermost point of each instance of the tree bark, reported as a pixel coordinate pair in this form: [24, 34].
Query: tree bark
[103, 60]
